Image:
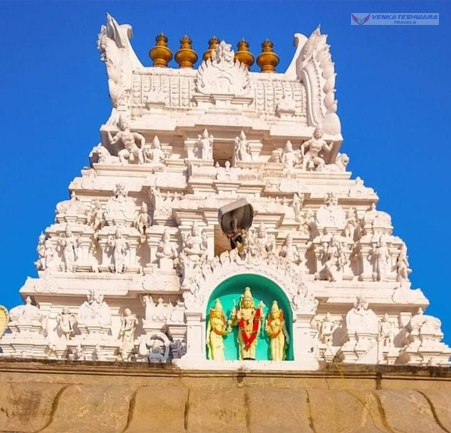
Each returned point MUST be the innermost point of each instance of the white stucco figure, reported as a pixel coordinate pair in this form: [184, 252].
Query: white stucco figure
[327, 327]
[95, 216]
[242, 150]
[166, 249]
[143, 220]
[290, 251]
[298, 201]
[154, 153]
[127, 334]
[361, 318]
[402, 265]
[205, 145]
[94, 311]
[195, 244]
[386, 332]
[69, 248]
[129, 144]
[335, 259]
[380, 256]
[314, 150]
[118, 247]
[66, 322]
[290, 158]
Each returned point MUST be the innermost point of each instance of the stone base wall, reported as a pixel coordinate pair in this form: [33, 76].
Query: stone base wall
[67, 397]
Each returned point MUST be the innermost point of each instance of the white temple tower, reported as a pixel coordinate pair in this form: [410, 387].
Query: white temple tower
[135, 261]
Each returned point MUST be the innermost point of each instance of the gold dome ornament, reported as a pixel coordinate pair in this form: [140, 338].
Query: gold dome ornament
[160, 53]
[186, 56]
[268, 59]
[212, 45]
[243, 54]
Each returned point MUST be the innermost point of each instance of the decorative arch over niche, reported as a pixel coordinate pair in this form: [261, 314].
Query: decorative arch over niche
[263, 289]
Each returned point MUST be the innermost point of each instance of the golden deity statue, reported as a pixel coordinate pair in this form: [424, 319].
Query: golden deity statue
[277, 332]
[216, 330]
[248, 319]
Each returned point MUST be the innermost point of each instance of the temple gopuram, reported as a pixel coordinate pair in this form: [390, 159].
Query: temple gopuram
[216, 267]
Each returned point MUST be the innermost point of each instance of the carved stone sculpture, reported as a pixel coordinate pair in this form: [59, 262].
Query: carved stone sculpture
[290, 158]
[217, 329]
[166, 251]
[313, 150]
[326, 330]
[331, 214]
[120, 209]
[260, 242]
[386, 332]
[119, 246]
[195, 244]
[155, 347]
[95, 216]
[248, 319]
[94, 311]
[205, 145]
[351, 224]
[361, 319]
[129, 144]
[298, 201]
[380, 257]
[402, 265]
[127, 334]
[290, 251]
[335, 259]
[66, 322]
[143, 220]
[101, 155]
[154, 154]
[40, 263]
[242, 150]
[69, 246]
[277, 332]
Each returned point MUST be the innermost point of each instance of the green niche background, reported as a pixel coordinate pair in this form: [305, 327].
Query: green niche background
[263, 289]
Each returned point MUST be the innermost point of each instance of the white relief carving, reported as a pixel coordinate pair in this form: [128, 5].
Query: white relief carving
[129, 145]
[94, 311]
[314, 150]
[118, 247]
[66, 322]
[69, 245]
[331, 214]
[222, 74]
[120, 208]
[242, 151]
[127, 334]
[205, 145]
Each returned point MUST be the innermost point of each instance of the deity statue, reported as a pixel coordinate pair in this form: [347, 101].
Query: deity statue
[69, 245]
[166, 249]
[242, 149]
[290, 251]
[40, 263]
[154, 154]
[386, 334]
[49, 254]
[335, 254]
[351, 224]
[129, 148]
[331, 214]
[95, 216]
[402, 265]
[217, 328]
[261, 242]
[94, 311]
[248, 319]
[143, 221]
[66, 322]
[308, 226]
[312, 151]
[119, 246]
[127, 334]
[298, 201]
[195, 244]
[290, 158]
[277, 332]
[205, 145]
[361, 319]
[327, 329]
[380, 255]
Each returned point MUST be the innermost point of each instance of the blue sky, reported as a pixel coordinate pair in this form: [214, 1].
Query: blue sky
[393, 90]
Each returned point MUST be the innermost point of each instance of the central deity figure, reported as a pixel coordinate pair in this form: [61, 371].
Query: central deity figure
[248, 319]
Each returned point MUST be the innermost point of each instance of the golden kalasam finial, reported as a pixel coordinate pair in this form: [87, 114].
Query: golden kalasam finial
[212, 45]
[186, 56]
[268, 59]
[243, 54]
[160, 53]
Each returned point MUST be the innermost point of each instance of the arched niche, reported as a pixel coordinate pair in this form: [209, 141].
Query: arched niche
[263, 289]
